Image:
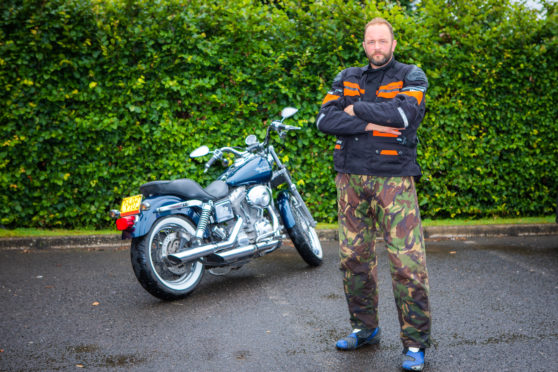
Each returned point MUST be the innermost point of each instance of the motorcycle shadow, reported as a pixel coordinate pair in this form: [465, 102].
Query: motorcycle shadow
[255, 275]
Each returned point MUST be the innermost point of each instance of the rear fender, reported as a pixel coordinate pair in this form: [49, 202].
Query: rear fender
[147, 218]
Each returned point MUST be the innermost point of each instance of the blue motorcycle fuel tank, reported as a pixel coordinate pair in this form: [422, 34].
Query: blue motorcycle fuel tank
[255, 170]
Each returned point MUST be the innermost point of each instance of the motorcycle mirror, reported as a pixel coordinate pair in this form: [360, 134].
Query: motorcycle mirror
[200, 151]
[251, 139]
[288, 112]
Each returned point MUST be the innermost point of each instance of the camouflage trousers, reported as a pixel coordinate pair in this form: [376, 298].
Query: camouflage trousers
[391, 203]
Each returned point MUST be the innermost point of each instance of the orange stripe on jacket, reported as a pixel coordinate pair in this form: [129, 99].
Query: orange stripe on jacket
[414, 93]
[390, 90]
[375, 133]
[390, 86]
[352, 89]
[350, 92]
[388, 152]
[351, 85]
[387, 94]
[329, 97]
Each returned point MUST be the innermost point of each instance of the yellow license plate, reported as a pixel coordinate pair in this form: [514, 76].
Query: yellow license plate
[130, 205]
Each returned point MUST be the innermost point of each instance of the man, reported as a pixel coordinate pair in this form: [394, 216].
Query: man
[374, 112]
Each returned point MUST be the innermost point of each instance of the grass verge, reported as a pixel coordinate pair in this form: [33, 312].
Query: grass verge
[33, 232]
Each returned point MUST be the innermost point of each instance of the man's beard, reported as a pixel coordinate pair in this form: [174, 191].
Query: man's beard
[381, 62]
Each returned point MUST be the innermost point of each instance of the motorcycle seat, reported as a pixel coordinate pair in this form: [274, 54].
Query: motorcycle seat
[187, 189]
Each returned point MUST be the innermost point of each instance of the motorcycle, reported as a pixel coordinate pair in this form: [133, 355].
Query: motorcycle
[180, 229]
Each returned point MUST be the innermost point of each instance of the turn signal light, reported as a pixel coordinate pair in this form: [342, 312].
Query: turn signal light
[125, 223]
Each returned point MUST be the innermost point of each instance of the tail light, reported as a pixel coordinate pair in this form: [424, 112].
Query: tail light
[125, 223]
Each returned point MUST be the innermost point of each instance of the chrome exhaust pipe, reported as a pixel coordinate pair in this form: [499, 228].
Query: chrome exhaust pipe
[247, 250]
[204, 250]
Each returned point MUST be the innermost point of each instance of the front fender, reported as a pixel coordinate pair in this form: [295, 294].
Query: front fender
[285, 210]
[146, 219]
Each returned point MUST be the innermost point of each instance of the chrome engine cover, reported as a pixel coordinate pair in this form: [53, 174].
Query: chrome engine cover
[259, 196]
[263, 227]
[251, 204]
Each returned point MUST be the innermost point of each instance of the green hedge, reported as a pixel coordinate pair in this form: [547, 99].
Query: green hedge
[99, 97]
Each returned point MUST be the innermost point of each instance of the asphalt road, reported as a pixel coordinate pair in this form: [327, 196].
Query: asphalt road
[494, 305]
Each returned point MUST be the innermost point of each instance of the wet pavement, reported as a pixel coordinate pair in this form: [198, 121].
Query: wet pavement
[494, 305]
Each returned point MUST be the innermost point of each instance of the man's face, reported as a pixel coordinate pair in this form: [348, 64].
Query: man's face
[378, 45]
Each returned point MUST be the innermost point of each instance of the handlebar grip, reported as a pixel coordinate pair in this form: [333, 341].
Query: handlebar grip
[286, 127]
[209, 163]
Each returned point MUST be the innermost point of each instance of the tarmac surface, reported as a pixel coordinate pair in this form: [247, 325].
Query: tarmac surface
[494, 304]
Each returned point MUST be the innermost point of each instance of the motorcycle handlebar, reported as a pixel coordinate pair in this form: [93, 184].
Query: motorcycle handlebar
[253, 147]
[232, 150]
[290, 127]
[218, 154]
[279, 125]
[210, 163]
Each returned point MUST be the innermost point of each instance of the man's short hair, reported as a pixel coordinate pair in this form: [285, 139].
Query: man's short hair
[379, 21]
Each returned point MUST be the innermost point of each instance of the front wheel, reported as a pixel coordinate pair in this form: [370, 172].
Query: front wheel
[305, 238]
[155, 272]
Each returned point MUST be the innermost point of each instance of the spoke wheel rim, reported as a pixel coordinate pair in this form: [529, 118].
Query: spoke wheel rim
[166, 241]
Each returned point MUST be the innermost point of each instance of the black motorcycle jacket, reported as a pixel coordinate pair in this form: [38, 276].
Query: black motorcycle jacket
[392, 96]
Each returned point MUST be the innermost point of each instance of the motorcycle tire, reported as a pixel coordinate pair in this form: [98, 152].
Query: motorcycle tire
[305, 239]
[159, 276]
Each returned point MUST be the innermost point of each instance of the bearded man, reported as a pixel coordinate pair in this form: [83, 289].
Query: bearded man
[374, 113]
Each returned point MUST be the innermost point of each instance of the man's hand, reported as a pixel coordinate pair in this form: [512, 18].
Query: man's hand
[350, 110]
[371, 127]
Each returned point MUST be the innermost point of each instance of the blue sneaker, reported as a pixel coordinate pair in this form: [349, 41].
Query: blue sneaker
[413, 361]
[358, 338]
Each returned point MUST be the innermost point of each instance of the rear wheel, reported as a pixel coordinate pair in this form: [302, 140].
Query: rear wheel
[305, 238]
[155, 272]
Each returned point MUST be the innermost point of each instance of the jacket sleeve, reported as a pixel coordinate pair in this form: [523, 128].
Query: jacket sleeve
[404, 109]
[332, 119]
